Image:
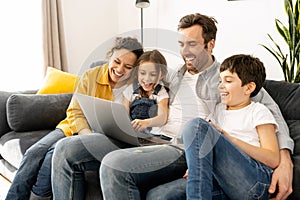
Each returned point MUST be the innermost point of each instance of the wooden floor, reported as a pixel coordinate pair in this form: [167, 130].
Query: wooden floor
[4, 186]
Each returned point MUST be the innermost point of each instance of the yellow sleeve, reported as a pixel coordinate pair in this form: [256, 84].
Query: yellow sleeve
[75, 120]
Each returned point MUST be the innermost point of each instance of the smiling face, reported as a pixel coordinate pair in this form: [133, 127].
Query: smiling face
[148, 76]
[196, 54]
[120, 65]
[233, 94]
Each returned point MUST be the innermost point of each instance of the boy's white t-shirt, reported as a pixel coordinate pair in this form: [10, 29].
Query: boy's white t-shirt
[185, 106]
[242, 123]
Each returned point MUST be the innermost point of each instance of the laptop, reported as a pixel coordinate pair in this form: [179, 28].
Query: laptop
[112, 119]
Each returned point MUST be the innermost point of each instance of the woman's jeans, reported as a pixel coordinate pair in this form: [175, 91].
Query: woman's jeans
[131, 173]
[210, 155]
[34, 172]
[75, 155]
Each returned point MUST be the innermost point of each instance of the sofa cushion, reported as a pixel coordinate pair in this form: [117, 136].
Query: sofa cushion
[14, 144]
[58, 82]
[296, 178]
[286, 95]
[29, 112]
[294, 127]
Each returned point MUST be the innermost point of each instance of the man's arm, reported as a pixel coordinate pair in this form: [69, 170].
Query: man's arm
[282, 177]
[284, 139]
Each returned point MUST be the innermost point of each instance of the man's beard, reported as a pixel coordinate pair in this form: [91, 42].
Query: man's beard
[201, 62]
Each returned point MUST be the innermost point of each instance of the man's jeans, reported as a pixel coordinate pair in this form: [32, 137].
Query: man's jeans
[75, 155]
[131, 173]
[34, 171]
[210, 155]
[176, 190]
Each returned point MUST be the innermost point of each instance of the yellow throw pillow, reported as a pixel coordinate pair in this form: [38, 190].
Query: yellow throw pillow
[57, 82]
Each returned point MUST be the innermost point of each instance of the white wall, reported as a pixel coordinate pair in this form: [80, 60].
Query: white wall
[87, 23]
[242, 26]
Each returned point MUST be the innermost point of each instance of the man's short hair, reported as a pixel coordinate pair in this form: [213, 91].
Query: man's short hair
[208, 24]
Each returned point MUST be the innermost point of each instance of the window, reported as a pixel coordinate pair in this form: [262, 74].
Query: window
[21, 45]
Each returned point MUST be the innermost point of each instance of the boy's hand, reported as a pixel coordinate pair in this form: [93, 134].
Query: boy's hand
[215, 126]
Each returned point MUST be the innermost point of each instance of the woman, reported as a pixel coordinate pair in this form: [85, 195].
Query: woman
[33, 179]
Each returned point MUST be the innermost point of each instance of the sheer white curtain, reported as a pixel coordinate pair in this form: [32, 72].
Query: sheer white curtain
[21, 45]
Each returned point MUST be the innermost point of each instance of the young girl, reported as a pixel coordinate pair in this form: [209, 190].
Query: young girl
[145, 99]
[235, 156]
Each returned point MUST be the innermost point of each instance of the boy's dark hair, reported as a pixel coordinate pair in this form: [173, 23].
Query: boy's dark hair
[208, 24]
[129, 43]
[248, 68]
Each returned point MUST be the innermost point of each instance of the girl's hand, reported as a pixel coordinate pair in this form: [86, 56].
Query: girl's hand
[139, 124]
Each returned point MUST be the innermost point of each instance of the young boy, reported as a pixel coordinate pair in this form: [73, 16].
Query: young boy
[236, 152]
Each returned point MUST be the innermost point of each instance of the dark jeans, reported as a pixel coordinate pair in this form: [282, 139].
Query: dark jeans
[34, 171]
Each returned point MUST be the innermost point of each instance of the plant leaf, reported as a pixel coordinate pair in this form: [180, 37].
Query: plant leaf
[277, 46]
[283, 31]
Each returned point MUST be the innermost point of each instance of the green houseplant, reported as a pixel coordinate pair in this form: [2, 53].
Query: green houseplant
[289, 62]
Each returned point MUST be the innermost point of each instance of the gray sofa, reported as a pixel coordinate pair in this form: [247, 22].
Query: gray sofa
[26, 117]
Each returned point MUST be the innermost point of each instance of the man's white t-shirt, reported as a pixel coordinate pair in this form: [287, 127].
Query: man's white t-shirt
[242, 123]
[185, 106]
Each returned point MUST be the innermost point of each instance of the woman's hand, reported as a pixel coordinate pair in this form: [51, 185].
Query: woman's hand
[84, 131]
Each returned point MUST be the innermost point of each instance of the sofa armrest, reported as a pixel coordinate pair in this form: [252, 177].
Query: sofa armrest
[32, 112]
[4, 95]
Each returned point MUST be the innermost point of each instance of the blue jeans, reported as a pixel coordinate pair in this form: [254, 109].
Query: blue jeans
[34, 171]
[174, 190]
[210, 155]
[75, 155]
[131, 173]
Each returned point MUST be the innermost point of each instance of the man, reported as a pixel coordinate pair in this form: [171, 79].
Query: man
[193, 93]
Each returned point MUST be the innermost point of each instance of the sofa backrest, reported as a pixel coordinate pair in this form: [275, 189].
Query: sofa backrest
[287, 96]
[4, 127]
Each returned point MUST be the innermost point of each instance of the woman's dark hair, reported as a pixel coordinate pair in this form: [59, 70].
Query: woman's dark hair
[208, 24]
[248, 68]
[129, 43]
